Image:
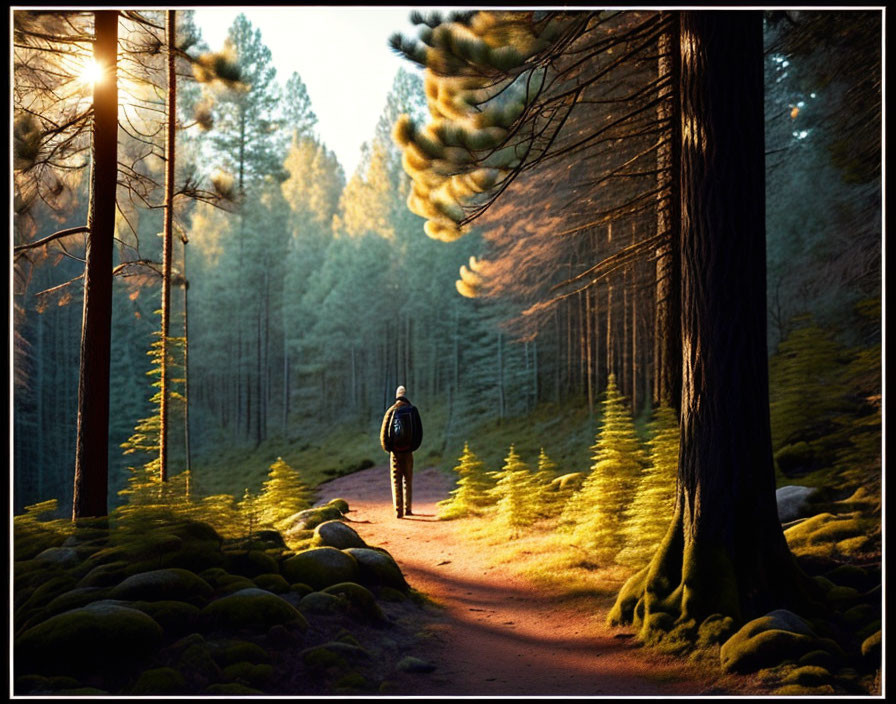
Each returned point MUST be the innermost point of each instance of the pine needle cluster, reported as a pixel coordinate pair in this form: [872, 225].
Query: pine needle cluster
[471, 495]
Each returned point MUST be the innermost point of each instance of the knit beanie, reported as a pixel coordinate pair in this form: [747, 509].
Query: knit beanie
[400, 391]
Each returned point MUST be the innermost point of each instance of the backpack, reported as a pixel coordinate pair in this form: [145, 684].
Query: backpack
[405, 430]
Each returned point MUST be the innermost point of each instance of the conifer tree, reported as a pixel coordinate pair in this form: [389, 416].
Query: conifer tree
[516, 503]
[549, 500]
[596, 512]
[471, 493]
[146, 438]
[283, 494]
[648, 518]
[249, 512]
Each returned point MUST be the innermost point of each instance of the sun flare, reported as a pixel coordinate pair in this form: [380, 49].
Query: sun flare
[92, 72]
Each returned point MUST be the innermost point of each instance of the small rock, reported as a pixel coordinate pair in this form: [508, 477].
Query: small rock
[793, 502]
[414, 665]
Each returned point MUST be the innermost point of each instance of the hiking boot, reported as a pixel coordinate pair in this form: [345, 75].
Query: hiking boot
[399, 514]
[408, 512]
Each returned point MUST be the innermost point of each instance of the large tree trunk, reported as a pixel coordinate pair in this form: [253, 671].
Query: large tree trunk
[667, 331]
[92, 452]
[725, 552]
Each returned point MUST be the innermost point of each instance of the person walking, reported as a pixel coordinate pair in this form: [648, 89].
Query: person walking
[400, 435]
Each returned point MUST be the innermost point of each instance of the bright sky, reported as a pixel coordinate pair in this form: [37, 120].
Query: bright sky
[341, 53]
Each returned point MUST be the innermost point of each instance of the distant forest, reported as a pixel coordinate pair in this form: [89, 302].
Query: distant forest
[302, 296]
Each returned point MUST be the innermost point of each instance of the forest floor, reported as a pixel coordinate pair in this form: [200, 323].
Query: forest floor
[491, 632]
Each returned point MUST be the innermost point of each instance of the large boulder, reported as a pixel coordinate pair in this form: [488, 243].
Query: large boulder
[320, 567]
[171, 583]
[103, 636]
[251, 608]
[793, 502]
[769, 640]
[378, 568]
[337, 534]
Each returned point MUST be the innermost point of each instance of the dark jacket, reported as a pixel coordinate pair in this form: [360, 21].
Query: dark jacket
[387, 420]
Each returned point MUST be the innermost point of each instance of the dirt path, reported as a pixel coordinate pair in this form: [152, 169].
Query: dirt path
[497, 634]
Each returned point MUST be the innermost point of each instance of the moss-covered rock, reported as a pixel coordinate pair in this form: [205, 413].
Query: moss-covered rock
[250, 563]
[75, 598]
[337, 534]
[801, 690]
[31, 684]
[714, 630]
[391, 595]
[251, 608]
[321, 658]
[409, 663]
[769, 640]
[232, 689]
[795, 459]
[194, 555]
[361, 601]
[170, 583]
[859, 615]
[819, 658]
[225, 583]
[176, 618]
[32, 538]
[106, 575]
[340, 504]
[64, 557]
[378, 568]
[321, 567]
[27, 601]
[194, 661]
[850, 576]
[568, 482]
[272, 583]
[842, 597]
[159, 680]
[310, 519]
[322, 603]
[97, 637]
[234, 651]
[300, 588]
[251, 674]
[189, 529]
[871, 648]
[808, 676]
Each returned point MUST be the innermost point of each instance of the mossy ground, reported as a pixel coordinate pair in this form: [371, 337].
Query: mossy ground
[193, 649]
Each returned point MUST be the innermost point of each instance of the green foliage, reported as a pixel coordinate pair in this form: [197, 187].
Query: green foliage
[283, 494]
[805, 382]
[651, 511]
[549, 501]
[595, 514]
[471, 494]
[825, 402]
[146, 436]
[515, 494]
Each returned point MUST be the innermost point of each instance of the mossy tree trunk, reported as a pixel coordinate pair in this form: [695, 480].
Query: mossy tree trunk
[725, 552]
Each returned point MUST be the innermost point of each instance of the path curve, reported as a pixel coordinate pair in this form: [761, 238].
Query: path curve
[497, 634]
